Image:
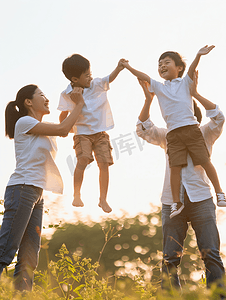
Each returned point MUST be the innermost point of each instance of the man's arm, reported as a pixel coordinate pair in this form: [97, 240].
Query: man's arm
[138, 74]
[203, 51]
[116, 71]
[207, 104]
[144, 114]
[145, 127]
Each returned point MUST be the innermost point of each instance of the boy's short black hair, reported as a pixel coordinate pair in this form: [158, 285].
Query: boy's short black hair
[176, 57]
[74, 66]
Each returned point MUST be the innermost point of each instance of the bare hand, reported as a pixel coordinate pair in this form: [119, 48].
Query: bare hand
[124, 63]
[193, 87]
[145, 86]
[121, 62]
[76, 95]
[205, 50]
[77, 89]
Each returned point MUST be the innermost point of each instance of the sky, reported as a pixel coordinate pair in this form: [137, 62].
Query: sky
[36, 36]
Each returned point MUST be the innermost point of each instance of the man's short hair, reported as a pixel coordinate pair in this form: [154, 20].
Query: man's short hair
[74, 66]
[176, 57]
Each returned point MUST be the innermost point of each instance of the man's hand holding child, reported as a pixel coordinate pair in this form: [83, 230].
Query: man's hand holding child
[145, 86]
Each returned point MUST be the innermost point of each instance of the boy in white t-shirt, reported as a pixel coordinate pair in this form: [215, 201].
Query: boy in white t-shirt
[94, 120]
[184, 135]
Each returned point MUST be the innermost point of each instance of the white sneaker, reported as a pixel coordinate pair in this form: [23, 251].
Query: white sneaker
[221, 200]
[176, 209]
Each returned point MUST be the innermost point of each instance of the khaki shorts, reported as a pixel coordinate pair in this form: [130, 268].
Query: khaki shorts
[184, 140]
[98, 143]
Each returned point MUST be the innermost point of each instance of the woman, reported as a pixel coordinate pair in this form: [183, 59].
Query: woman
[36, 170]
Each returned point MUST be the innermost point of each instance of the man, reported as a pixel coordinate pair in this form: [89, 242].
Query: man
[195, 193]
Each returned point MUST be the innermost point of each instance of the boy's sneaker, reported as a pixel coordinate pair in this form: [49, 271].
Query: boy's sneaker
[221, 200]
[176, 209]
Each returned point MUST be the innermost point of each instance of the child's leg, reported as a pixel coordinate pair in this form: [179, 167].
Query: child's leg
[83, 150]
[103, 181]
[201, 156]
[212, 175]
[177, 152]
[175, 179]
[102, 150]
[78, 178]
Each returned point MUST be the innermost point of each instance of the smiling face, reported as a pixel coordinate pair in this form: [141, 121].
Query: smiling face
[39, 104]
[84, 80]
[167, 68]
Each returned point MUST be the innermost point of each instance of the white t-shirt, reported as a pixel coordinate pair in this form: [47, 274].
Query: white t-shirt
[175, 102]
[96, 115]
[35, 156]
[193, 178]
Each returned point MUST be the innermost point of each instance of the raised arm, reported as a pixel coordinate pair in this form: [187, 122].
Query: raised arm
[145, 128]
[203, 51]
[138, 74]
[207, 104]
[63, 128]
[116, 71]
[144, 114]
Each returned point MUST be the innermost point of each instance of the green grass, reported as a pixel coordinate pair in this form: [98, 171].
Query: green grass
[73, 277]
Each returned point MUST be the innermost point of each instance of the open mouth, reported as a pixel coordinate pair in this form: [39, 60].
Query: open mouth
[163, 71]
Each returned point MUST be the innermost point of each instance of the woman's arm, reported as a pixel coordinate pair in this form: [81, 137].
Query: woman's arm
[63, 128]
[63, 115]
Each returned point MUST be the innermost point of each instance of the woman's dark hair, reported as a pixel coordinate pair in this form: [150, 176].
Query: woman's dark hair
[197, 112]
[176, 57]
[16, 109]
[74, 66]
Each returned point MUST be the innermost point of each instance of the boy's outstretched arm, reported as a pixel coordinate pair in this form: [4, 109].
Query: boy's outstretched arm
[203, 51]
[117, 70]
[207, 104]
[144, 114]
[138, 74]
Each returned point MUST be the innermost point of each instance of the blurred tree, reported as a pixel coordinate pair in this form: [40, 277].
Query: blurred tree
[136, 247]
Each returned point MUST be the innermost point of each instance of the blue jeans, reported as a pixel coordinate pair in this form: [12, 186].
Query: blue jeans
[203, 220]
[21, 230]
